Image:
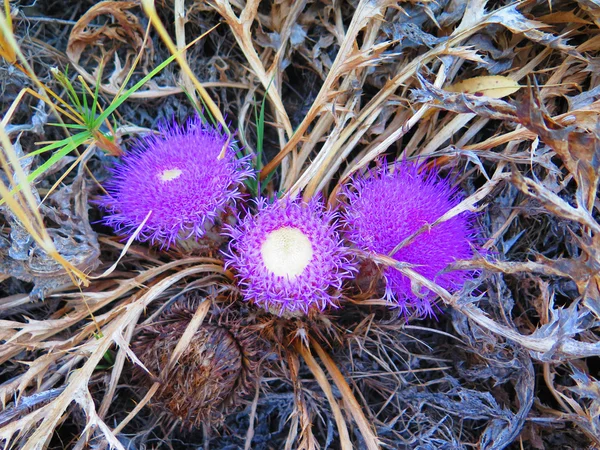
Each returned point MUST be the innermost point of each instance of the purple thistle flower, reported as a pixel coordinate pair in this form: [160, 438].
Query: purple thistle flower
[181, 176]
[288, 257]
[386, 208]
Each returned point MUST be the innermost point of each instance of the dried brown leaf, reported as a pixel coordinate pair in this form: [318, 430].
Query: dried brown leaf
[578, 149]
[511, 18]
[563, 17]
[126, 31]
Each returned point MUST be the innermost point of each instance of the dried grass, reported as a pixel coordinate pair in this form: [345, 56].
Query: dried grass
[512, 361]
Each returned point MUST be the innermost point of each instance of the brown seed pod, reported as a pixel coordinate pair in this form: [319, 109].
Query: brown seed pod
[209, 379]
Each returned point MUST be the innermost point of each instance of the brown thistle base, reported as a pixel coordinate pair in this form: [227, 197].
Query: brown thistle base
[212, 376]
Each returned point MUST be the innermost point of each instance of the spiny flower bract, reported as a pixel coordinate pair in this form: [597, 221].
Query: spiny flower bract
[288, 257]
[181, 177]
[385, 207]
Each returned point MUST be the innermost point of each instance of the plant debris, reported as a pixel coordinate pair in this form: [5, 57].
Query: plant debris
[502, 98]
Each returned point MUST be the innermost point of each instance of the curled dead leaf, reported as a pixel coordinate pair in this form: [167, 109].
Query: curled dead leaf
[123, 30]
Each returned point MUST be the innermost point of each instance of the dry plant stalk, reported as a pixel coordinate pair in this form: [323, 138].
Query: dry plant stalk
[383, 86]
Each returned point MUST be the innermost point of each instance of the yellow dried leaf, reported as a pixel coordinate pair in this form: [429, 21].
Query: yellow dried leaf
[494, 86]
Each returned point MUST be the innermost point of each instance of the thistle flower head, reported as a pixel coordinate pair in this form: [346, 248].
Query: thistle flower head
[181, 179]
[288, 256]
[386, 207]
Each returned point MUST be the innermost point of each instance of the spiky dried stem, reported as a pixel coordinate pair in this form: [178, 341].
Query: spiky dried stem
[344, 436]
[356, 411]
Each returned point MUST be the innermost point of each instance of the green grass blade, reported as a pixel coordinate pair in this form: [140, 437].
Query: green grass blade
[119, 101]
[71, 144]
[54, 145]
[97, 92]
[260, 134]
[63, 80]
[74, 126]
[86, 110]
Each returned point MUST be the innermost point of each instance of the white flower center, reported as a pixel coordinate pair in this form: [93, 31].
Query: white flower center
[170, 174]
[286, 252]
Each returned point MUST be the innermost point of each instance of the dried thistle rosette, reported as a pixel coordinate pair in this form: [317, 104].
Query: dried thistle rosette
[211, 377]
[390, 204]
[288, 257]
[182, 179]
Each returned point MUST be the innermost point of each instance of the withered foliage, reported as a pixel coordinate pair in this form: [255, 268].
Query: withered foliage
[512, 359]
